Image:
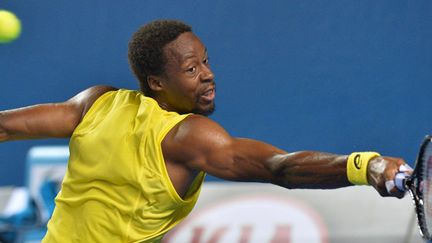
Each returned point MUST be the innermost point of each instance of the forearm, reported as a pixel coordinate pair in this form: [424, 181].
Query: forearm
[252, 160]
[308, 169]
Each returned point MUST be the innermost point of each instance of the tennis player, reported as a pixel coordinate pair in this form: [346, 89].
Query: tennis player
[138, 158]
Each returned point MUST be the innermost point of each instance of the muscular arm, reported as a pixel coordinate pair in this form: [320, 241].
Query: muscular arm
[48, 120]
[202, 144]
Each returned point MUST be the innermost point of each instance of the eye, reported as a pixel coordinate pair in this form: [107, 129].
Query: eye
[191, 70]
[206, 61]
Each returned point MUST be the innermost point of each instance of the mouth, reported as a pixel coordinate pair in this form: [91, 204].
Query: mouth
[209, 95]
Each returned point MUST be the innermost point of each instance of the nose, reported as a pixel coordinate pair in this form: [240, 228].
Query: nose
[207, 74]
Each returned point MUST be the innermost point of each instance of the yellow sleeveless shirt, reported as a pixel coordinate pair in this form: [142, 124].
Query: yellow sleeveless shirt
[116, 188]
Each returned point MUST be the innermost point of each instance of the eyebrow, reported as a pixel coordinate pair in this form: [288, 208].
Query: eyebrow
[191, 55]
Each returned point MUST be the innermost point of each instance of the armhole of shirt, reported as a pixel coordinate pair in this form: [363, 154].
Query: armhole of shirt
[195, 187]
[171, 189]
[93, 109]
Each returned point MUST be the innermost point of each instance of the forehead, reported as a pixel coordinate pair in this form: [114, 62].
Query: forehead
[187, 45]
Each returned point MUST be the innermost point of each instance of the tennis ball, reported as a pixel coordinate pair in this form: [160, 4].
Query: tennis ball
[10, 26]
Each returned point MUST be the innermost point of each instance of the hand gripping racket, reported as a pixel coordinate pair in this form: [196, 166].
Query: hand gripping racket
[419, 184]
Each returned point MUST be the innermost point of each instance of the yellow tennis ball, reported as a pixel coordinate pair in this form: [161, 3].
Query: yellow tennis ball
[10, 26]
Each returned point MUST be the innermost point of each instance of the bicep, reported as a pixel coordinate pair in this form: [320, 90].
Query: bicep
[241, 160]
[206, 146]
[44, 120]
[48, 120]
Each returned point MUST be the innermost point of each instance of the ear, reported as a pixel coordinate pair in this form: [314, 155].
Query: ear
[155, 82]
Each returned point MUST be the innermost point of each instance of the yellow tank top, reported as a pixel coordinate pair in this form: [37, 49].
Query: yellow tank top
[116, 188]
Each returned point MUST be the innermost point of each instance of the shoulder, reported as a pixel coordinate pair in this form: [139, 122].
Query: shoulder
[85, 99]
[196, 135]
[91, 94]
[200, 128]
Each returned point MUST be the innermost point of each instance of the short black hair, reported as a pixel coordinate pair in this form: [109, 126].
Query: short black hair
[145, 53]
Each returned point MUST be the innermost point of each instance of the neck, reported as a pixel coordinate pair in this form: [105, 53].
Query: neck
[163, 104]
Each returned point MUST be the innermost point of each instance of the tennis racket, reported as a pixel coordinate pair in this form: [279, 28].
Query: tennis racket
[419, 185]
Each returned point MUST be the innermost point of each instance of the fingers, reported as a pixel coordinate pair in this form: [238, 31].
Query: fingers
[396, 168]
[394, 190]
[382, 172]
[390, 185]
[406, 168]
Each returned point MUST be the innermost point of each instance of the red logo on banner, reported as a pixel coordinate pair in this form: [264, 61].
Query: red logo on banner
[263, 219]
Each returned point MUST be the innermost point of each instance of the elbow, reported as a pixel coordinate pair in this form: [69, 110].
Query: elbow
[282, 178]
[286, 170]
[286, 177]
[279, 170]
[4, 133]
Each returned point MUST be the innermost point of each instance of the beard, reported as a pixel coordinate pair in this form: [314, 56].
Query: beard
[205, 111]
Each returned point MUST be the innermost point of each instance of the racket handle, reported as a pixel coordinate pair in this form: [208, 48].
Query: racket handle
[399, 181]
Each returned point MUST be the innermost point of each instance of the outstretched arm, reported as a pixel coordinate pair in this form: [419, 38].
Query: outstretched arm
[48, 120]
[203, 145]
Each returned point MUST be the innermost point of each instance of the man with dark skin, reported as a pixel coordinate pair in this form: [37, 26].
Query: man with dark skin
[196, 143]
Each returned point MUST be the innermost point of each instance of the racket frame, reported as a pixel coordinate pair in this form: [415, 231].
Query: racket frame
[414, 185]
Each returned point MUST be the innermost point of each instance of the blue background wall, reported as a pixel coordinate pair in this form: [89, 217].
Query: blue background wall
[336, 76]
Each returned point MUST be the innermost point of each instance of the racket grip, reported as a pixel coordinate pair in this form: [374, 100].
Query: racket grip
[399, 181]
